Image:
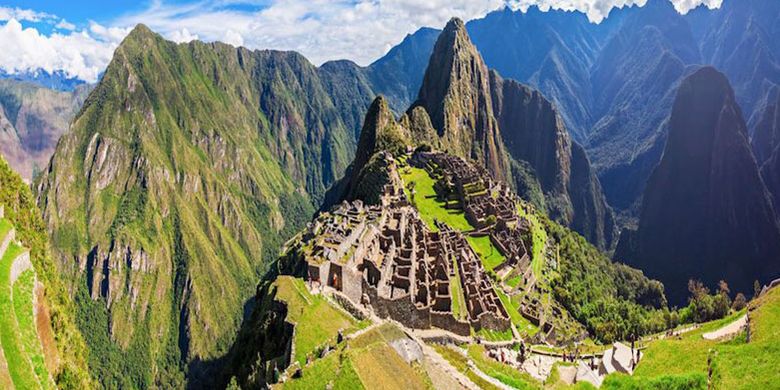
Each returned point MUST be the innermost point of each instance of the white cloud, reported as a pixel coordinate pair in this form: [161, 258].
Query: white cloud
[77, 54]
[64, 25]
[360, 30]
[182, 36]
[19, 14]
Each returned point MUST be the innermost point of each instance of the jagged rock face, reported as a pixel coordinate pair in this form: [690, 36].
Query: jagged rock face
[534, 134]
[706, 213]
[187, 168]
[456, 93]
[32, 119]
[767, 134]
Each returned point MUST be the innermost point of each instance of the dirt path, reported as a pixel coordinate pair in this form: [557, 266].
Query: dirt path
[449, 375]
[728, 330]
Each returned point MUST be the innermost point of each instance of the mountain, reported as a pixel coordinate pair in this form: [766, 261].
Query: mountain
[187, 168]
[537, 140]
[456, 94]
[706, 213]
[32, 119]
[398, 74]
[57, 80]
[41, 345]
[766, 137]
[550, 50]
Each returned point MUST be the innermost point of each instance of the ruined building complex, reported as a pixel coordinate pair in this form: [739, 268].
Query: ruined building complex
[385, 256]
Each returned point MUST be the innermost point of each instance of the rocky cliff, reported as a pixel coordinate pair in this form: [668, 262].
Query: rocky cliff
[536, 137]
[706, 213]
[186, 169]
[456, 94]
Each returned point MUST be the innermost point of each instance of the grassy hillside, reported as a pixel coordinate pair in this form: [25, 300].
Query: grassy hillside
[187, 168]
[70, 352]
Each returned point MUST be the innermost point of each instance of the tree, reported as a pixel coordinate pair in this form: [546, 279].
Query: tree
[723, 287]
[756, 289]
[739, 302]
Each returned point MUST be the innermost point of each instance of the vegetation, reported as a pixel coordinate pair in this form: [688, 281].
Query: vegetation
[428, 203]
[490, 255]
[20, 210]
[460, 362]
[507, 375]
[19, 367]
[316, 320]
[538, 238]
[23, 291]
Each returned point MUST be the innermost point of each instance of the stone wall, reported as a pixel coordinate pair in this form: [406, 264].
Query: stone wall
[20, 264]
[448, 322]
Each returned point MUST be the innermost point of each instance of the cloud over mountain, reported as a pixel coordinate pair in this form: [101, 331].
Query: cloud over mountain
[322, 30]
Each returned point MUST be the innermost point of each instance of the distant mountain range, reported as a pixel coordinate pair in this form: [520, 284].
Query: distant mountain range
[56, 80]
[614, 83]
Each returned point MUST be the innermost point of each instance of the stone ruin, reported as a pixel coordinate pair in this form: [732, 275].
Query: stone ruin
[385, 257]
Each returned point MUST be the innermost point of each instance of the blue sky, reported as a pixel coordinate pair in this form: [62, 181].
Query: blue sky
[79, 37]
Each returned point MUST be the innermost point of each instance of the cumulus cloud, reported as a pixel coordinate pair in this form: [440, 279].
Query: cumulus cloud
[77, 54]
[359, 30]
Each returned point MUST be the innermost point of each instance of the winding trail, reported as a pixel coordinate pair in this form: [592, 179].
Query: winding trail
[728, 330]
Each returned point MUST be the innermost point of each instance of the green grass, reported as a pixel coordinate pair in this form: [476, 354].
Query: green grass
[316, 320]
[538, 238]
[365, 362]
[523, 326]
[336, 369]
[460, 363]
[494, 335]
[754, 365]
[23, 308]
[19, 367]
[514, 281]
[490, 255]
[506, 374]
[428, 205]
[458, 301]
[5, 226]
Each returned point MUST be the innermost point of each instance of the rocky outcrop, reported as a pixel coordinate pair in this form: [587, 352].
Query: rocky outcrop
[456, 94]
[706, 213]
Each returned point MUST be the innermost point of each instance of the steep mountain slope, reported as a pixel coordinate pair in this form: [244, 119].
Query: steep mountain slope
[32, 119]
[399, 73]
[766, 137]
[48, 338]
[634, 81]
[456, 94]
[550, 50]
[706, 212]
[536, 138]
[186, 169]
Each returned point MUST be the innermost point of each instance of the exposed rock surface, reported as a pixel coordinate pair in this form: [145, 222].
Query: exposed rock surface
[706, 213]
[456, 94]
[534, 133]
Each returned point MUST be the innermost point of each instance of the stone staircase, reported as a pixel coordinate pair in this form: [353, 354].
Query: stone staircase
[21, 359]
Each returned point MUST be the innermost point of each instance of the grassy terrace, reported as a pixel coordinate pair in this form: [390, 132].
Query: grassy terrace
[23, 308]
[525, 327]
[736, 364]
[505, 374]
[491, 256]
[19, 367]
[426, 202]
[316, 320]
[368, 362]
[539, 239]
